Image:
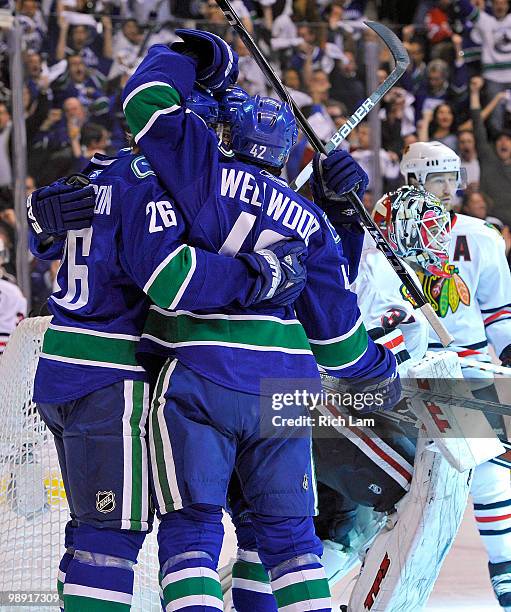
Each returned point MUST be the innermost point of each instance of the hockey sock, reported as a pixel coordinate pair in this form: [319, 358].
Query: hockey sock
[300, 584]
[98, 583]
[65, 561]
[190, 581]
[61, 576]
[251, 589]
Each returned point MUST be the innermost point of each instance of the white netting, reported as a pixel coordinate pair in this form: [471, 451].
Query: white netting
[33, 507]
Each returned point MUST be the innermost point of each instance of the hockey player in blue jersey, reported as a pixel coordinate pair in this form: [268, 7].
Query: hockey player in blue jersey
[90, 390]
[207, 395]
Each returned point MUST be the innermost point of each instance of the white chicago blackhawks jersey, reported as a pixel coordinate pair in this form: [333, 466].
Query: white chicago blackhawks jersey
[13, 307]
[379, 290]
[475, 303]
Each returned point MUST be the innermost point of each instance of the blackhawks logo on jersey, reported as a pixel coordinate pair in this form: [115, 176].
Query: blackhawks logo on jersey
[445, 293]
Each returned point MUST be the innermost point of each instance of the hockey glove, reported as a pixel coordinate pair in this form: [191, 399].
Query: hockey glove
[67, 204]
[282, 271]
[333, 177]
[505, 356]
[217, 63]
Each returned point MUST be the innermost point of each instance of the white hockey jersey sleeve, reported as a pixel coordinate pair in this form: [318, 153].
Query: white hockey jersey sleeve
[494, 291]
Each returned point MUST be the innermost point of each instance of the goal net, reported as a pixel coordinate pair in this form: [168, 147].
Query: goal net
[33, 506]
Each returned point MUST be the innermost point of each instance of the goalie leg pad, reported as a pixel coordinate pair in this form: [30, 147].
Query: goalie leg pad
[402, 565]
[101, 569]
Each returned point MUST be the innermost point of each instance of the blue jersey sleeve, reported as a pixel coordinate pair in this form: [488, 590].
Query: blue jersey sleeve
[49, 252]
[173, 274]
[329, 313]
[179, 146]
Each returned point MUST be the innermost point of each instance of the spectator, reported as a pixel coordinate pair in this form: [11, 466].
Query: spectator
[439, 125]
[5, 139]
[416, 71]
[291, 80]
[250, 77]
[346, 87]
[126, 46]
[496, 50]
[437, 25]
[439, 87]
[309, 56]
[495, 162]
[33, 25]
[78, 82]
[474, 203]
[95, 50]
[468, 154]
[364, 155]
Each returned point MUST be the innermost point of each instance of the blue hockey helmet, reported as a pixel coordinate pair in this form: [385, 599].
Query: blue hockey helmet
[202, 103]
[232, 98]
[263, 130]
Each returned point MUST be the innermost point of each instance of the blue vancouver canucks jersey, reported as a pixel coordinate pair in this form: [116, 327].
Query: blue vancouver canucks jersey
[134, 254]
[238, 207]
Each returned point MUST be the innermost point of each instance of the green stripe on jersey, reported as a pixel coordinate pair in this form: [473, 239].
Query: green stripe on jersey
[74, 603]
[250, 571]
[71, 345]
[187, 587]
[342, 352]
[302, 591]
[149, 100]
[222, 330]
[171, 277]
[137, 440]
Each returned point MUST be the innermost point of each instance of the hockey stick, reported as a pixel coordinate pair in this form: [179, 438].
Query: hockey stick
[487, 367]
[401, 59]
[365, 218]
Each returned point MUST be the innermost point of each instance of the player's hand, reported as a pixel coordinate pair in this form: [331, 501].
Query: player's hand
[67, 204]
[333, 177]
[217, 63]
[282, 271]
[505, 356]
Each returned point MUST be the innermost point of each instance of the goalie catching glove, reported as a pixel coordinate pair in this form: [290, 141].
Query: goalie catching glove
[67, 204]
[283, 273]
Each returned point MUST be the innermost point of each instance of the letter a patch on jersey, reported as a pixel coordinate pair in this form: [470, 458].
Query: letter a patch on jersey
[461, 249]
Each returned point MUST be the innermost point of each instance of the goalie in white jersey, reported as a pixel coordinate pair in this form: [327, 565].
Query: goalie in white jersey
[474, 304]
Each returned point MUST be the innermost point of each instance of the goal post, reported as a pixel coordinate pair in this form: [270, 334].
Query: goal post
[33, 506]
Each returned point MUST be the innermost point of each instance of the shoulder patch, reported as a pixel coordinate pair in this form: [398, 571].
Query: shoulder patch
[141, 168]
[491, 226]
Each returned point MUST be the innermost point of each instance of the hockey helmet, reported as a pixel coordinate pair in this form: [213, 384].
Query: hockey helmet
[203, 104]
[263, 130]
[423, 158]
[417, 227]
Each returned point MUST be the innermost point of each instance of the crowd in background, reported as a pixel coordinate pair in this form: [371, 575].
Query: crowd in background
[78, 54]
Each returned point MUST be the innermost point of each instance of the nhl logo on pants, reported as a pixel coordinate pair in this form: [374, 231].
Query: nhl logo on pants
[105, 501]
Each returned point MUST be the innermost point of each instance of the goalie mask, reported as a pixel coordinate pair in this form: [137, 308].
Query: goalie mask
[417, 227]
